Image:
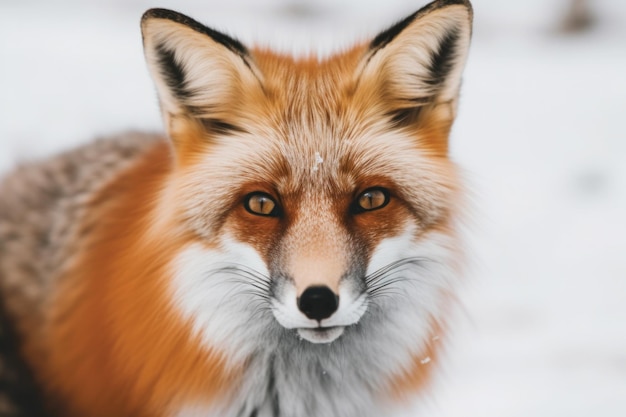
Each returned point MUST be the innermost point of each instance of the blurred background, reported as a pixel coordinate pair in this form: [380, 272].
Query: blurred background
[540, 135]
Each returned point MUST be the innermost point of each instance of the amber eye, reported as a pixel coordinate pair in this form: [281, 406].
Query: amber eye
[371, 199]
[261, 204]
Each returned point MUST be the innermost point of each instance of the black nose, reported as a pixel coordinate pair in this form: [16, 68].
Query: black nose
[318, 303]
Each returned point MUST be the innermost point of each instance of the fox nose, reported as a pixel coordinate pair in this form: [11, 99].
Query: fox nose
[318, 302]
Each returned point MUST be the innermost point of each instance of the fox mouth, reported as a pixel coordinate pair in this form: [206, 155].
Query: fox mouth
[313, 326]
[321, 334]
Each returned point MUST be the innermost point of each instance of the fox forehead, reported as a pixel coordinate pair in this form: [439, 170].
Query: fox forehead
[308, 125]
[322, 159]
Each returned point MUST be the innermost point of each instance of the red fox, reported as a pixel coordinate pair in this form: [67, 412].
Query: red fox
[288, 249]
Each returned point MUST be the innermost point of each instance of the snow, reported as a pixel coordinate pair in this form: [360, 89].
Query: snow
[318, 161]
[542, 331]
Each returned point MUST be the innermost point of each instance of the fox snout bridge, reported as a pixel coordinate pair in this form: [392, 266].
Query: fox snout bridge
[318, 302]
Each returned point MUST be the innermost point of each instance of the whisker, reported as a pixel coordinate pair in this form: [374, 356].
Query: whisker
[382, 272]
[245, 281]
[258, 279]
[383, 282]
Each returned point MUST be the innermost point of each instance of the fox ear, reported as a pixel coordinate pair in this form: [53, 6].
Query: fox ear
[200, 74]
[418, 62]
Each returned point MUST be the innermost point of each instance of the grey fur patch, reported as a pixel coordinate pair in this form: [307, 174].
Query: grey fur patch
[40, 207]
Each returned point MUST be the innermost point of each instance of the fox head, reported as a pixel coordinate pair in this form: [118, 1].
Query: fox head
[318, 193]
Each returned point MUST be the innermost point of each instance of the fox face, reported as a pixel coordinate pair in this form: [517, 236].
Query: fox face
[315, 199]
[312, 169]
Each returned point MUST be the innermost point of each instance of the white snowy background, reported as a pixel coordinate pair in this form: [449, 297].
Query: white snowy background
[540, 133]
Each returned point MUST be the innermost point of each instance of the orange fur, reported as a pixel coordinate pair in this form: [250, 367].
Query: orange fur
[119, 350]
[418, 376]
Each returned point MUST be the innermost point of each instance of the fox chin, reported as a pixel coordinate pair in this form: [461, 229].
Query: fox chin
[289, 248]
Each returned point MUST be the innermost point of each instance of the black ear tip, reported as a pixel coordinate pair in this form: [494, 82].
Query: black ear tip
[158, 13]
[438, 4]
[388, 35]
[451, 2]
[465, 3]
[167, 14]
[229, 42]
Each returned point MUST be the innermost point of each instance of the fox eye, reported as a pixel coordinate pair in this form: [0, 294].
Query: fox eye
[371, 199]
[261, 204]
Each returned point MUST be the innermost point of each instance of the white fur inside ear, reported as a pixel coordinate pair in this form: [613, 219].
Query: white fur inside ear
[406, 63]
[191, 70]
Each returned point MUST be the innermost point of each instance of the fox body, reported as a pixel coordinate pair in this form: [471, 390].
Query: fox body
[288, 249]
